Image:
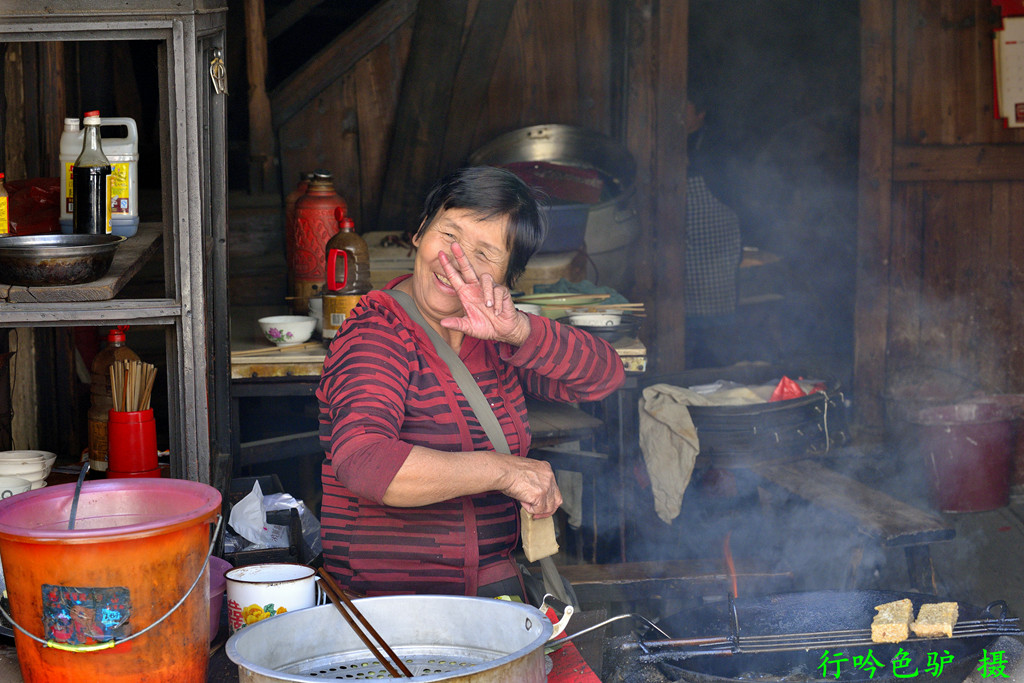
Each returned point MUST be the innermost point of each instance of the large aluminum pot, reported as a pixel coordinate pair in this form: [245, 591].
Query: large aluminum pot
[49, 260]
[439, 637]
[612, 223]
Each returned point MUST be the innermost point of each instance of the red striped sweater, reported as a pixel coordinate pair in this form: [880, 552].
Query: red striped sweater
[383, 390]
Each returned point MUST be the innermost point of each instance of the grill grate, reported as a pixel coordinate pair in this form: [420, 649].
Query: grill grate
[360, 665]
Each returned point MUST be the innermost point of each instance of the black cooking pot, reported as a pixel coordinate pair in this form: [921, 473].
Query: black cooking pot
[811, 613]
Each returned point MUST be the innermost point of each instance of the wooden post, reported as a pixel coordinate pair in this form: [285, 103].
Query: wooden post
[263, 176]
[14, 116]
[871, 310]
[52, 106]
[657, 61]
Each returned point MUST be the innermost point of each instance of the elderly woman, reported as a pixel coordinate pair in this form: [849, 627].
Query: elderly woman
[416, 499]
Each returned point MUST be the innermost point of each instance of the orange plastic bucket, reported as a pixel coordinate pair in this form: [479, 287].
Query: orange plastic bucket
[137, 548]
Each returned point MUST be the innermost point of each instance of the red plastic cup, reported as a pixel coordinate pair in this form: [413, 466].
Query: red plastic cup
[131, 438]
[114, 474]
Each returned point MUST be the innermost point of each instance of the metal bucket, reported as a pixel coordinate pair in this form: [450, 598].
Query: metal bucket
[612, 224]
[439, 637]
[968, 448]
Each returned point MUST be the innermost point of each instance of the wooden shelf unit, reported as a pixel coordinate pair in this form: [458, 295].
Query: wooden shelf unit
[194, 197]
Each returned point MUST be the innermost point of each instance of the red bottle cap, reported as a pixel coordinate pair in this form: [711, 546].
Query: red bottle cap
[92, 113]
[117, 334]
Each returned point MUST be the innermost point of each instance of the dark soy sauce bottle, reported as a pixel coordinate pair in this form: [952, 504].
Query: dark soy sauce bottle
[90, 178]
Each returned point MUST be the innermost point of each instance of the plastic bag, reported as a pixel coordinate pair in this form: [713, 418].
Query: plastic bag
[249, 520]
[310, 524]
[787, 389]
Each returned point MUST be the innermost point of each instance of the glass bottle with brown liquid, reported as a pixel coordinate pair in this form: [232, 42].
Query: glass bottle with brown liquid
[90, 179]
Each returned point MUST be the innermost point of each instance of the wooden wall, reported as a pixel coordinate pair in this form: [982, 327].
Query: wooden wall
[940, 249]
[543, 63]
[390, 106]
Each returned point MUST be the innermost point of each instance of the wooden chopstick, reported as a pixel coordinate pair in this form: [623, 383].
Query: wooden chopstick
[277, 349]
[337, 596]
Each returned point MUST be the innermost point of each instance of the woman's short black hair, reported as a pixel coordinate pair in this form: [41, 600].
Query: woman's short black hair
[489, 192]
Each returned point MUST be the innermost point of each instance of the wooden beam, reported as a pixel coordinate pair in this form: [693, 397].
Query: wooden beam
[637, 118]
[922, 163]
[423, 105]
[52, 106]
[262, 160]
[476, 66]
[289, 16]
[14, 112]
[871, 307]
[337, 58]
[655, 126]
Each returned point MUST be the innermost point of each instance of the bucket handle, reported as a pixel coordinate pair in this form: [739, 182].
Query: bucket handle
[106, 645]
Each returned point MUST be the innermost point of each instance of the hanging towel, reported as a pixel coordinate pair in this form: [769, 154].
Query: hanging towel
[669, 440]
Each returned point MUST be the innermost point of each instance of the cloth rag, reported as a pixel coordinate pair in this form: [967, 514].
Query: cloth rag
[668, 438]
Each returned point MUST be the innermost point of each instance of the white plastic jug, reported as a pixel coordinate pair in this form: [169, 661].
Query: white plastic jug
[123, 153]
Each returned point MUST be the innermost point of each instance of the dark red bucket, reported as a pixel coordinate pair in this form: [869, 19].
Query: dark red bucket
[967, 450]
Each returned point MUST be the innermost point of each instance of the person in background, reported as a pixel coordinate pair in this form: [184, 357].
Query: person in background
[713, 252]
[416, 500]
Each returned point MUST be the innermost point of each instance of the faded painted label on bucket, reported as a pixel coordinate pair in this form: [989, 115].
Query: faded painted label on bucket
[80, 616]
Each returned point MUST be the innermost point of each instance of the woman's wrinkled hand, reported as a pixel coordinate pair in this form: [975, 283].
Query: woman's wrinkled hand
[490, 313]
[532, 483]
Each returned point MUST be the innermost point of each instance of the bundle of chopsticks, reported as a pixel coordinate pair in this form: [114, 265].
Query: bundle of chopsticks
[131, 384]
[394, 666]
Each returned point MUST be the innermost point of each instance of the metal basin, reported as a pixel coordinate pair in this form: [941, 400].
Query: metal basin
[53, 260]
[439, 637]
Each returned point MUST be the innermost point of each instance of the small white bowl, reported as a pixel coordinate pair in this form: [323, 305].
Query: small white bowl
[32, 471]
[10, 486]
[288, 329]
[529, 308]
[595, 319]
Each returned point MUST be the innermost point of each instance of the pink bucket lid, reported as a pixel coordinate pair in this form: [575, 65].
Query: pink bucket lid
[109, 510]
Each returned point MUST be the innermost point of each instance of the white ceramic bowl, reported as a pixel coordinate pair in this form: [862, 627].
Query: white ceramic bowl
[595, 319]
[32, 471]
[10, 486]
[529, 308]
[288, 329]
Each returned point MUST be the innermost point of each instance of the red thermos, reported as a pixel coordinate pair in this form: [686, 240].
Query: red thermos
[315, 224]
[289, 225]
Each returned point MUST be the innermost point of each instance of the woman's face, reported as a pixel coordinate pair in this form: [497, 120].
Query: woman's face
[483, 240]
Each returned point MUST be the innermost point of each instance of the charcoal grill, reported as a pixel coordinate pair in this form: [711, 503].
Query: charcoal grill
[756, 641]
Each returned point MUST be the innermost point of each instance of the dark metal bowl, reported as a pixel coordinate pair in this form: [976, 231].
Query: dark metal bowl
[54, 260]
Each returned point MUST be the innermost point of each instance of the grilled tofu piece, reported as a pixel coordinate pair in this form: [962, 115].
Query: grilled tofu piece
[892, 623]
[936, 620]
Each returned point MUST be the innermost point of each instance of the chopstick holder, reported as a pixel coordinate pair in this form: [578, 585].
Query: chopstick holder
[539, 529]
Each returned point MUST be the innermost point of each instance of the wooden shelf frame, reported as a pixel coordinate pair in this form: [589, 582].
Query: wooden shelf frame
[194, 199]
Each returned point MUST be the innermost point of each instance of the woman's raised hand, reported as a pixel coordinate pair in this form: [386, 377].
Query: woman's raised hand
[489, 311]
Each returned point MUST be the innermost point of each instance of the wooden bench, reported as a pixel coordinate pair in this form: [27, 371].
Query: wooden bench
[877, 515]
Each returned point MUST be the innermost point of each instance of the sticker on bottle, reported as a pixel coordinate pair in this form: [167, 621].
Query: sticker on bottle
[119, 189]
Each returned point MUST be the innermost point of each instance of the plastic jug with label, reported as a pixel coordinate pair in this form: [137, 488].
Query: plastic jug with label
[123, 154]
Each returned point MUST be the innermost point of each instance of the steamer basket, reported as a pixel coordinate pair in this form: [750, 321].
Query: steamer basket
[439, 637]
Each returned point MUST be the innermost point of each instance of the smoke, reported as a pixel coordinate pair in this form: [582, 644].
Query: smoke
[780, 79]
